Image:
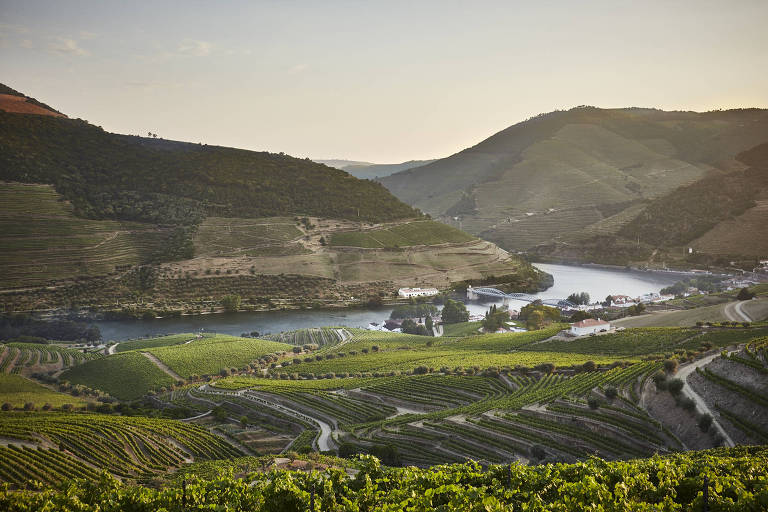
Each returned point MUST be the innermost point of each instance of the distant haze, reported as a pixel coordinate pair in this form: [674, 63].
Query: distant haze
[375, 81]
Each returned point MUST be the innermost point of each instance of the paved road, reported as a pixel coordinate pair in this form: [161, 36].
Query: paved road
[683, 374]
[734, 313]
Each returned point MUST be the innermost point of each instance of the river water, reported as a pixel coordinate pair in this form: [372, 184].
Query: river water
[598, 282]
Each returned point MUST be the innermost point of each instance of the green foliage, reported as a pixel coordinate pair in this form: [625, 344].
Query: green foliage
[454, 312]
[579, 298]
[413, 311]
[126, 376]
[158, 181]
[745, 294]
[537, 316]
[673, 483]
[16, 391]
[495, 319]
[231, 303]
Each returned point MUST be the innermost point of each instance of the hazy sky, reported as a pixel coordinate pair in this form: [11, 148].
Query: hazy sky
[379, 81]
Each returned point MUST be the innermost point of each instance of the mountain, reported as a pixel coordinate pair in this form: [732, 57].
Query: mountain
[367, 170]
[576, 174]
[96, 219]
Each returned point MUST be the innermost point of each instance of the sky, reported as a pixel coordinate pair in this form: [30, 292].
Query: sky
[384, 81]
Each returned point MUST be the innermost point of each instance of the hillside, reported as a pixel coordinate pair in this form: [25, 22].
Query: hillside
[578, 174]
[78, 204]
[367, 170]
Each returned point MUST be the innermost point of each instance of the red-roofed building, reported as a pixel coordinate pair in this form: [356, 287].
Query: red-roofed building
[589, 326]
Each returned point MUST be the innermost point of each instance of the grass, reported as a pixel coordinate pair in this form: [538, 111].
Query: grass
[125, 376]
[402, 235]
[17, 391]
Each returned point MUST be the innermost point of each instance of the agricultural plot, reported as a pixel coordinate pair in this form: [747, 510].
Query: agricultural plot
[34, 357]
[402, 235]
[230, 237]
[162, 341]
[33, 221]
[321, 336]
[210, 355]
[18, 391]
[128, 447]
[126, 376]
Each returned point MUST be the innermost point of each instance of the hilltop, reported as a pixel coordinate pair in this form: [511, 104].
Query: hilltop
[78, 204]
[579, 175]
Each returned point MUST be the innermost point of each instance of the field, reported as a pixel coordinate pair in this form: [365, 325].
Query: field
[53, 447]
[402, 235]
[729, 475]
[684, 318]
[210, 355]
[28, 358]
[162, 341]
[231, 237]
[126, 376]
[42, 239]
[18, 391]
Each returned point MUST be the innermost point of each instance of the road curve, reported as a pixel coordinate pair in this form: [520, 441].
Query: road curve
[323, 440]
[683, 374]
[734, 313]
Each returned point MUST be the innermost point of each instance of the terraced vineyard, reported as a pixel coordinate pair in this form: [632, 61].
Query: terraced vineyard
[50, 448]
[402, 235]
[321, 336]
[33, 221]
[35, 357]
[17, 391]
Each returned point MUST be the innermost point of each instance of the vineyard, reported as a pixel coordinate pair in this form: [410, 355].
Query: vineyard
[321, 336]
[51, 447]
[28, 358]
[18, 392]
[727, 479]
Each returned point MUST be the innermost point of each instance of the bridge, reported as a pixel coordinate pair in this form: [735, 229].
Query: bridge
[484, 292]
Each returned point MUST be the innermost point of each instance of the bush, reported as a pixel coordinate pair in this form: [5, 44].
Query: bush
[675, 386]
[670, 366]
[589, 366]
[29, 406]
[538, 452]
[611, 393]
[420, 370]
[705, 421]
[745, 294]
[688, 404]
[660, 379]
[6, 407]
[593, 403]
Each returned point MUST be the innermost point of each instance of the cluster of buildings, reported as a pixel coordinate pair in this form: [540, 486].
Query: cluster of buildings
[624, 301]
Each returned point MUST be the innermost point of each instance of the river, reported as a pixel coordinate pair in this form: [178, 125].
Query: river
[598, 282]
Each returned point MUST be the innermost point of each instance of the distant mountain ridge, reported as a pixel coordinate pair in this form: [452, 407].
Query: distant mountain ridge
[367, 170]
[571, 175]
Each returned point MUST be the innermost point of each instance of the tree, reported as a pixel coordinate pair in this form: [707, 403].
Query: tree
[495, 319]
[611, 393]
[589, 366]
[454, 312]
[428, 325]
[231, 303]
[745, 294]
[675, 386]
[705, 421]
[244, 421]
[578, 316]
[593, 402]
[670, 366]
[579, 298]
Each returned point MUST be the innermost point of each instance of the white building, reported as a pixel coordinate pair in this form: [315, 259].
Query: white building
[417, 292]
[589, 326]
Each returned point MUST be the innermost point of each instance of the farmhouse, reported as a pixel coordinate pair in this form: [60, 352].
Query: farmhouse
[417, 292]
[589, 326]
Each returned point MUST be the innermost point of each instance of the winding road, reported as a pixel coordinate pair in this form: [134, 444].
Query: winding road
[683, 374]
[735, 313]
[324, 440]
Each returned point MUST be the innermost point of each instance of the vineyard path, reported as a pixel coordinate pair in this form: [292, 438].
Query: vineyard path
[683, 374]
[162, 365]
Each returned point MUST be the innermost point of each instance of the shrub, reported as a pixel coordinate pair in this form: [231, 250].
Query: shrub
[589, 366]
[29, 406]
[675, 386]
[420, 370]
[705, 421]
[593, 403]
[6, 406]
[670, 366]
[611, 393]
[538, 452]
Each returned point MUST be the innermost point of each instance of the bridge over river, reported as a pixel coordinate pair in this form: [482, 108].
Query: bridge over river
[487, 293]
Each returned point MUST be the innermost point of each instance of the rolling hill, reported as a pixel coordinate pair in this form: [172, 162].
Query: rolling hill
[573, 175]
[91, 218]
[367, 170]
